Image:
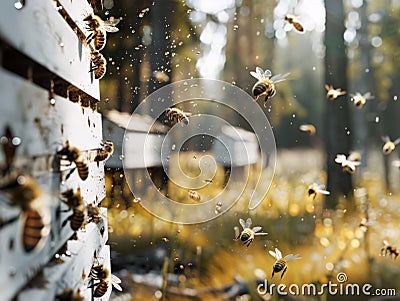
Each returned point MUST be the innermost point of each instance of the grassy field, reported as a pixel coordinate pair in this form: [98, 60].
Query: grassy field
[204, 257]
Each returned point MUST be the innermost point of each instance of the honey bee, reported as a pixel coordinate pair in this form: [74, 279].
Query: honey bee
[98, 64]
[389, 145]
[248, 234]
[332, 93]
[265, 84]
[24, 191]
[360, 100]
[102, 274]
[308, 128]
[292, 19]
[69, 295]
[104, 153]
[389, 249]
[315, 189]
[73, 154]
[281, 263]
[99, 29]
[176, 115]
[364, 224]
[347, 164]
[194, 195]
[75, 203]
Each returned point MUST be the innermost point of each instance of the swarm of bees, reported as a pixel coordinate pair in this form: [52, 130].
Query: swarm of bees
[347, 164]
[265, 86]
[248, 234]
[101, 278]
[315, 189]
[389, 145]
[332, 93]
[389, 249]
[98, 35]
[292, 19]
[176, 115]
[359, 100]
[74, 155]
[280, 264]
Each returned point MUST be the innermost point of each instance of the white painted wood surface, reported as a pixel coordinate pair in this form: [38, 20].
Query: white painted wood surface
[39, 31]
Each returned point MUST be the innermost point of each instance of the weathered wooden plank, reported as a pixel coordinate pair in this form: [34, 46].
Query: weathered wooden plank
[45, 125]
[45, 37]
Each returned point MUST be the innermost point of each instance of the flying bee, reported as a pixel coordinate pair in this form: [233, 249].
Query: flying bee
[332, 93]
[265, 86]
[292, 19]
[24, 191]
[176, 115]
[194, 195]
[360, 100]
[102, 274]
[98, 64]
[104, 153]
[281, 263]
[73, 154]
[364, 224]
[315, 189]
[347, 164]
[247, 235]
[99, 28]
[389, 145]
[389, 249]
[75, 203]
[308, 128]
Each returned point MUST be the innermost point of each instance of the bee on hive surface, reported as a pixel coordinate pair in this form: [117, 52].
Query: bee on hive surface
[360, 100]
[75, 203]
[292, 19]
[177, 115]
[308, 128]
[102, 274]
[332, 93]
[315, 189]
[98, 29]
[389, 145]
[389, 249]
[248, 234]
[281, 262]
[347, 164]
[73, 154]
[25, 192]
[265, 86]
[98, 64]
[105, 152]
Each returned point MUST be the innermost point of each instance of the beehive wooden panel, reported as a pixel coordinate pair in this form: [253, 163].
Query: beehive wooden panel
[39, 31]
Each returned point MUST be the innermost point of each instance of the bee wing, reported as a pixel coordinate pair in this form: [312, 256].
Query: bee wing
[261, 233]
[278, 253]
[242, 223]
[267, 73]
[115, 279]
[279, 77]
[397, 141]
[254, 74]
[117, 286]
[292, 257]
[112, 21]
[273, 254]
[325, 192]
[188, 114]
[385, 139]
[340, 158]
[110, 28]
[327, 87]
[257, 228]
[385, 242]
[368, 95]
[248, 222]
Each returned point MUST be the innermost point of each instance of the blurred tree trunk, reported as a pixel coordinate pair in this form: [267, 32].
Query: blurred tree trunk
[337, 121]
